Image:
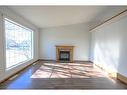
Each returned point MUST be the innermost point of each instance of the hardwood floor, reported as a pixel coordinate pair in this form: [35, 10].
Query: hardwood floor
[47, 75]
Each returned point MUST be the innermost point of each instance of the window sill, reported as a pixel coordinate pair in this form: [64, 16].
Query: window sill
[21, 63]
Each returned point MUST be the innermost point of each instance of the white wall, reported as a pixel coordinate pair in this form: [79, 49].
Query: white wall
[76, 35]
[109, 46]
[5, 12]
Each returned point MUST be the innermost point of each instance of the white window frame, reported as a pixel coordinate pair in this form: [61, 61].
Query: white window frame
[32, 43]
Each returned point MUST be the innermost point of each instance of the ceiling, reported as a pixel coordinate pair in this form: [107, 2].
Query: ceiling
[53, 16]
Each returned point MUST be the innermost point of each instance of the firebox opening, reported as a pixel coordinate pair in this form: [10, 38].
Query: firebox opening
[64, 55]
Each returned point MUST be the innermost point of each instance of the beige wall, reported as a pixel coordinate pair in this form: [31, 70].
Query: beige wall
[109, 46]
[76, 35]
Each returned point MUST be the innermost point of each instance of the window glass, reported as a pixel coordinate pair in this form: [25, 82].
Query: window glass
[19, 43]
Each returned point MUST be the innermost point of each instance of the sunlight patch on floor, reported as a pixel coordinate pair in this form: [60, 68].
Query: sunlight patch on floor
[67, 70]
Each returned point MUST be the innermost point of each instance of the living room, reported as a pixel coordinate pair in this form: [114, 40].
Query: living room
[63, 47]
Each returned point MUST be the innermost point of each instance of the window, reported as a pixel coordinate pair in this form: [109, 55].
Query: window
[19, 43]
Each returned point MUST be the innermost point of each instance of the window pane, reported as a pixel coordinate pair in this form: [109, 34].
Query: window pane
[18, 43]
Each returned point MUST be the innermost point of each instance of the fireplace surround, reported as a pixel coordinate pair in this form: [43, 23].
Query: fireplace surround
[64, 53]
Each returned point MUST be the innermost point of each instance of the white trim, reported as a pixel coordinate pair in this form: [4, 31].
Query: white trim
[115, 19]
[14, 66]
[4, 45]
[16, 23]
[17, 18]
[1, 47]
[32, 46]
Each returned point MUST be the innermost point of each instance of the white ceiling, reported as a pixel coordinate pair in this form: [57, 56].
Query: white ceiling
[52, 16]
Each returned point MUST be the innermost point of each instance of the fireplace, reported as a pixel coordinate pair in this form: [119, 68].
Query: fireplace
[64, 53]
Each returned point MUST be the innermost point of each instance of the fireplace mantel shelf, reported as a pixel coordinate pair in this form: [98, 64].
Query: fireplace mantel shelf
[64, 46]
